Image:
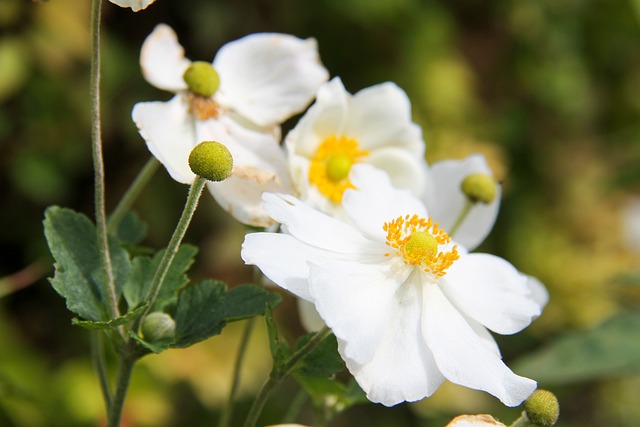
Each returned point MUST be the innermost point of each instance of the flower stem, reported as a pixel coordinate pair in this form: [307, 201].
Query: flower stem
[295, 407]
[468, 205]
[139, 183]
[98, 161]
[174, 244]
[227, 413]
[127, 361]
[278, 374]
[522, 421]
[97, 356]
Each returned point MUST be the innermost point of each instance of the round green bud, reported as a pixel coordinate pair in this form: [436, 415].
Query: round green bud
[202, 78]
[211, 160]
[479, 187]
[542, 408]
[158, 326]
[338, 167]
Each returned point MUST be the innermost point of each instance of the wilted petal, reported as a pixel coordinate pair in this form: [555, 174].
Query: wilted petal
[162, 59]
[491, 291]
[269, 77]
[463, 357]
[168, 130]
[448, 200]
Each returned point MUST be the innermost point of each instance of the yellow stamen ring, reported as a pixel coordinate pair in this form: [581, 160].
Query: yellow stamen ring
[331, 163]
[418, 241]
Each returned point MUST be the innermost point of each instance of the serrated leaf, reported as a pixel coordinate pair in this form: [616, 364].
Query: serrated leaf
[78, 277]
[110, 324]
[323, 361]
[143, 268]
[204, 309]
[131, 230]
[155, 347]
[609, 349]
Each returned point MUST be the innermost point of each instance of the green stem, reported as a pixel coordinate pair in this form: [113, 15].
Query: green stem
[227, 414]
[97, 357]
[523, 421]
[174, 244]
[127, 201]
[98, 161]
[468, 205]
[279, 374]
[295, 407]
[127, 361]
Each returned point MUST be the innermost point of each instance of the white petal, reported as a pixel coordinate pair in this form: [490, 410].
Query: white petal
[491, 291]
[358, 301]
[402, 367]
[326, 117]
[448, 201]
[463, 357]
[539, 292]
[317, 229]
[269, 77]
[268, 250]
[482, 420]
[168, 130]
[380, 116]
[405, 169]
[376, 201]
[259, 165]
[162, 59]
[309, 316]
[135, 5]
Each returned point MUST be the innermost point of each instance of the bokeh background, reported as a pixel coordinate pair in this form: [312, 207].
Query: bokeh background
[547, 90]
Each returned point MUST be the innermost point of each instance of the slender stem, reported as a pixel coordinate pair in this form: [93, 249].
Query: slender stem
[127, 361]
[139, 183]
[174, 244]
[98, 161]
[97, 357]
[522, 421]
[279, 374]
[468, 205]
[295, 407]
[227, 414]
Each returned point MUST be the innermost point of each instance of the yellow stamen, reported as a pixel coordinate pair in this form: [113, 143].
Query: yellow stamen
[330, 166]
[203, 107]
[419, 241]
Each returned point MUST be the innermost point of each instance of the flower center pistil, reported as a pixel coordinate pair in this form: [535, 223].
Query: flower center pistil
[203, 82]
[331, 163]
[420, 241]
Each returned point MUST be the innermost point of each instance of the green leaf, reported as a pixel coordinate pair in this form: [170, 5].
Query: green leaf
[154, 347]
[323, 361]
[111, 324]
[332, 395]
[78, 277]
[131, 230]
[143, 268]
[609, 349]
[204, 309]
[280, 351]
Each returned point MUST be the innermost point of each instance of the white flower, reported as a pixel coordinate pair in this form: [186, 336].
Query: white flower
[373, 126]
[482, 420]
[135, 5]
[263, 80]
[408, 306]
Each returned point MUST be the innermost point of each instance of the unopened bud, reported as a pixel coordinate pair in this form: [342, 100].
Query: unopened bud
[479, 187]
[211, 160]
[202, 78]
[158, 326]
[542, 408]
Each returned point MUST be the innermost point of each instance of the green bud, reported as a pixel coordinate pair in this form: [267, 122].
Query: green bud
[479, 187]
[542, 408]
[158, 326]
[211, 160]
[202, 78]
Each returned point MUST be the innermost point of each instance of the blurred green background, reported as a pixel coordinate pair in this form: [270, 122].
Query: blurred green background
[547, 90]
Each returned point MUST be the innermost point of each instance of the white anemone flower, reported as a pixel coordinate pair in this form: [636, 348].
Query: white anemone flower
[252, 86]
[409, 307]
[135, 5]
[339, 130]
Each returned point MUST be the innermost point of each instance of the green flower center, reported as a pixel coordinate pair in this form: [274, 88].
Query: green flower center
[338, 167]
[479, 187]
[201, 78]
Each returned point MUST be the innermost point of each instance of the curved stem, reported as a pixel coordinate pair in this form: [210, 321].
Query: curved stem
[468, 205]
[174, 244]
[97, 357]
[295, 407]
[128, 199]
[98, 161]
[522, 421]
[279, 374]
[114, 414]
[227, 413]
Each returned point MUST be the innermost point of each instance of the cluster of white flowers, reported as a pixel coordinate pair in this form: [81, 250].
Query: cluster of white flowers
[374, 239]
